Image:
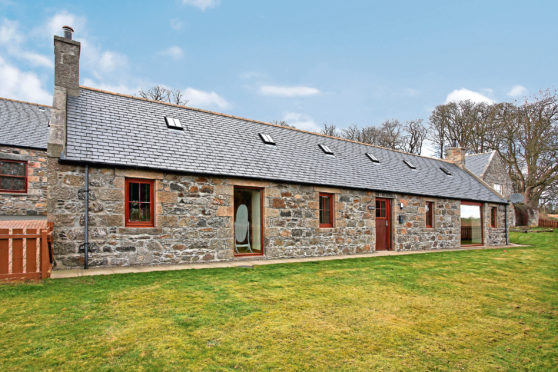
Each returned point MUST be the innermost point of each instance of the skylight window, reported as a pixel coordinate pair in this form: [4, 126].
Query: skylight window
[372, 157]
[409, 164]
[266, 138]
[445, 171]
[326, 149]
[173, 123]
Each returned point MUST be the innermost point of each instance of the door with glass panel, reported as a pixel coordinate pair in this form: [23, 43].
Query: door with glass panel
[383, 224]
[471, 223]
[248, 221]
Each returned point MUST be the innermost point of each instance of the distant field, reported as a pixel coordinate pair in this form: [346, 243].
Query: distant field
[467, 310]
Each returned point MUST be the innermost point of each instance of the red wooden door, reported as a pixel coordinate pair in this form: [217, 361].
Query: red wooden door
[383, 224]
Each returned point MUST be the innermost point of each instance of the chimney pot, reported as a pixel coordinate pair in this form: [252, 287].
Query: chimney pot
[68, 31]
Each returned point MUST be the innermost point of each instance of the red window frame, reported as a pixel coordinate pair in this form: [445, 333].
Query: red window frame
[151, 222]
[493, 216]
[24, 191]
[331, 211]
[429, 214]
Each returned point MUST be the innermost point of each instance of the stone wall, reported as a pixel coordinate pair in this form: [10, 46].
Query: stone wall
[497, 173]
[32, 203]
[413, 234]
[495, 235]
[194, 219]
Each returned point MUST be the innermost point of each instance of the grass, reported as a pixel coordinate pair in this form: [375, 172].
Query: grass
[467, 310]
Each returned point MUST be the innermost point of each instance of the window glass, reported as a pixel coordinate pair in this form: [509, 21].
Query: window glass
[247, 221]
[13, 177]
[139, 203]
[326, 215]
[471, 224]
[493, 216]
[380, 208]
[429, 214]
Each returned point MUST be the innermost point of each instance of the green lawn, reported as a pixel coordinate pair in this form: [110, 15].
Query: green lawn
[473, 310]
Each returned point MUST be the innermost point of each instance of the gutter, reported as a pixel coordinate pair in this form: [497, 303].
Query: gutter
[506, 224]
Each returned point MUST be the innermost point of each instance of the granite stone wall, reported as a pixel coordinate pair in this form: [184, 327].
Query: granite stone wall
[194, 219]
[412, 233]
[32, 203]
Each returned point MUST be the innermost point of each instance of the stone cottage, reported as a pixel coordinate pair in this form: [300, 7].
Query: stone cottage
[23, 159]
[133, 181]
[490, 167]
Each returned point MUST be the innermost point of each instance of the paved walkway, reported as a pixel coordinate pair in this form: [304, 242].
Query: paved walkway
[57, 274]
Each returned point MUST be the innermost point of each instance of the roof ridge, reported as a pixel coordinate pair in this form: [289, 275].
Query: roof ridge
[481, 153]
[28, 103]
[259, 122]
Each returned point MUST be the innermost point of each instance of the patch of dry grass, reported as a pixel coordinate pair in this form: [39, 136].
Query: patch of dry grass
[479, 310]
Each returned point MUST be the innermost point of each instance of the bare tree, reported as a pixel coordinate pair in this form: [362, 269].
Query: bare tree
[161, 93]
[527, 139]
[415, 134]
[329, 130]
[466, 122]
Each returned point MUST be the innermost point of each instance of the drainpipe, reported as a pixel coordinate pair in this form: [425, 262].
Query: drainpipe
[86, 232]
[506, 223]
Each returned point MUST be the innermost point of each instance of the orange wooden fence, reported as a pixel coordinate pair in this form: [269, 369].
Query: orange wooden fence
[543, 222]
[25, 253]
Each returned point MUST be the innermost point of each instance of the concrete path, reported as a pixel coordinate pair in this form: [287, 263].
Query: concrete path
[72, 273]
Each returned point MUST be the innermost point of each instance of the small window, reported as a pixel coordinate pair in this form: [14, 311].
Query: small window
[381, 209]
[266, 138]
[409, 164]
[446, 171]
[498, 187]
[326, 210]
[429, 214]
[173, 123]
[493, 217]
[326, 149]
[372, 157]
[13, 176]
[140, 197]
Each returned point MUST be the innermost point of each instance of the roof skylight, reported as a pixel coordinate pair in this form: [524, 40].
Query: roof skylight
[173, 123]
[266, 138]
[409, 164]
[326, 149]
[372, 157]
[446, 171]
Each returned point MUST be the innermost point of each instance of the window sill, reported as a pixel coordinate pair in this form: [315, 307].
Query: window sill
[7, 193]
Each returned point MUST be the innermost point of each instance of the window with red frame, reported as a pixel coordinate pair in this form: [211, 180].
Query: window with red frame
[429, 214]
[326, 210]
[13, 176]
[493, 216]
[140, 200]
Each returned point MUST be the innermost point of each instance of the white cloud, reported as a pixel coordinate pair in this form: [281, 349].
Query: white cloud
[17, 84]
[176, 24]
[63, 18]
[466, 94]
[249, 75]
[301, 121]
[11, 38]
[288, 91]
[517, 90]
[200, 98]
[174, 52]
[202, 4]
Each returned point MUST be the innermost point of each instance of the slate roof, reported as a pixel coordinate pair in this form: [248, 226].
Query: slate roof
[111, 129]
[478, 163]
[23, 124]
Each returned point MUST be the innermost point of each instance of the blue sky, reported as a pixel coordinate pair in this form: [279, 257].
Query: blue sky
[306, 62]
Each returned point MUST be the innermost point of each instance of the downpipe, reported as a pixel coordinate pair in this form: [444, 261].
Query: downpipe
[506, 223]
[86, 227]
